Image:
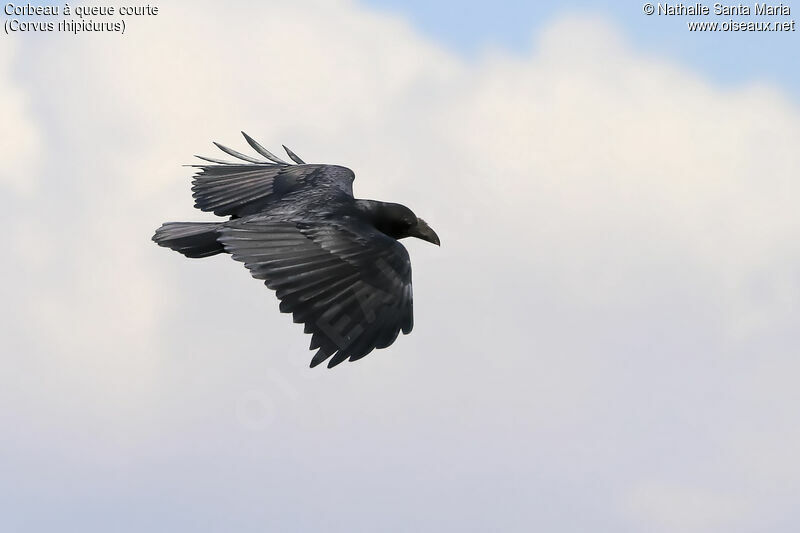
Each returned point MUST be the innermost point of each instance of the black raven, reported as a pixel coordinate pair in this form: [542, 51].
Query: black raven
[334, 261]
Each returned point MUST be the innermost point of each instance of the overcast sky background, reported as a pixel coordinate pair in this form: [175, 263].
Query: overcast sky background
[606, 340]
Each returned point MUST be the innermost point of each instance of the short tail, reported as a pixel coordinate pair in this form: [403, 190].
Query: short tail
[192, 239]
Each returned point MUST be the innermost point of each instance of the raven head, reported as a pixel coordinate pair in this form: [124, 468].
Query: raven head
[396, 220]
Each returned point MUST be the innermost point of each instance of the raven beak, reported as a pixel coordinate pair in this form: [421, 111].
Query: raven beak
[423, 231]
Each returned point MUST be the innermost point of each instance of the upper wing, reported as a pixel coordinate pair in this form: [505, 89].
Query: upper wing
[237, 189]
[347, 282]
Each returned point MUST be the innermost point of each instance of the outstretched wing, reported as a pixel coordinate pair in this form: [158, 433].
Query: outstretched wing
[236, 189]
[347, 282]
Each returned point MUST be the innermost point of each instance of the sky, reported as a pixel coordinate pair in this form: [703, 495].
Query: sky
[730, 58]
[605, 341]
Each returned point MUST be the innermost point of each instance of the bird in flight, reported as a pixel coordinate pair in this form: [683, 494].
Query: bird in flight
[334, 261]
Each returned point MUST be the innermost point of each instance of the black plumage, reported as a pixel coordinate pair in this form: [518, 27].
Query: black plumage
[334, 261]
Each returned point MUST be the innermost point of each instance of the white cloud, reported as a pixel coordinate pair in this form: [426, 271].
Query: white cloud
[618, 259]
[19, 139]
[687, 508]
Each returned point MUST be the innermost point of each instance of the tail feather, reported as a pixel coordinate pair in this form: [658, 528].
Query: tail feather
[192, 239]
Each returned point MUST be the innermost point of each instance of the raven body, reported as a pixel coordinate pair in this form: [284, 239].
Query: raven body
[334, 261]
